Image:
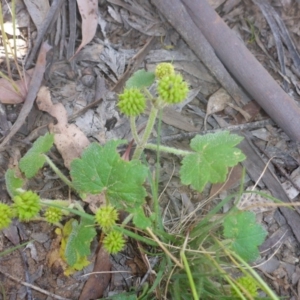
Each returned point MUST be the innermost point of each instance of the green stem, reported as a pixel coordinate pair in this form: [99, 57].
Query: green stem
[151, 121]
[157, 213]
[59, 173]
[127, 220]
[71, 210]
[168, 149]
[135, 236]
[189, 275]
[134, 130]
[223, 273]
[262, 283]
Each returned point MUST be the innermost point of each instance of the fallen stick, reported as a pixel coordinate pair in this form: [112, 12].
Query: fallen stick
[245, 68]
[175, 12]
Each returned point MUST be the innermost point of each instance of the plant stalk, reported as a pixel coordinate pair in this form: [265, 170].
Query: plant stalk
[188, 270]
[151, 121]
[175, 260]
[135, 236]
[189, 275]
[168, 149]
[134, 130]
[59, 173]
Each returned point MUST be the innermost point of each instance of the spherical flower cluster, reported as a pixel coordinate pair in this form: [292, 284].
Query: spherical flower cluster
[27, 205]
[249, 284]
[53, 215]
[172, 89]
[164, 69]
[132, 102]
[6, 213]
[113, 242]
[106, 217]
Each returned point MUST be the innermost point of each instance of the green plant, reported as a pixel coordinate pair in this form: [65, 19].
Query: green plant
[199, 257]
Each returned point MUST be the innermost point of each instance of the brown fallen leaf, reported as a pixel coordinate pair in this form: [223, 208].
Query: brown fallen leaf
[97, 283]
[233, 179]
[254, 202]
[69, 139]
[14, 93]
[219, 101]
[89, 16]
[216, 103]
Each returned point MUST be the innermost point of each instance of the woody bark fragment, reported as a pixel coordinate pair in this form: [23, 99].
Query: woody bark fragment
[245, 68]
[237, 59]
[175, 12]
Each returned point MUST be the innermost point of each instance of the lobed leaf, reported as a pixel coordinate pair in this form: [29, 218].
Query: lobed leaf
[245, 234]
[12, 182]
[34, 159]
[102, 169]
[214, 153]
[140, 220]
[78, 241]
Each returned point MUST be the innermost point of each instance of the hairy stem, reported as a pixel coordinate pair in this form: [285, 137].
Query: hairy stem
[134, 130]
[151, 121]
[59, 173]
[168, 149]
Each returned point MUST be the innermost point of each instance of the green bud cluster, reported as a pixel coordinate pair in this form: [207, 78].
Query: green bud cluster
[172, 89]
[6, 214]
[249, 284]
[27, 205]
[132, 102]
[106, 217]
[53, 215]
[114, 242]
[164, 69]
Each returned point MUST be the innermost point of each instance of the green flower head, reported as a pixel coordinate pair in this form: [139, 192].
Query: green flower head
[106, 217]
[172, 89]
[27, 205]
[132, 102]
[6, 213]
[249, 284]
[53, 215]
[164, 69]
[114, 242]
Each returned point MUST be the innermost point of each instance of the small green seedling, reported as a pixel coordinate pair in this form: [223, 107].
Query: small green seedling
[245, 234]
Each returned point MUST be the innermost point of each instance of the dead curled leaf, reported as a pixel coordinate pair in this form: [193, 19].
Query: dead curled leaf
[99, 280]
[89, 16]
[255, 202]
[219, 101]
[9, 94]
[69, 139]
